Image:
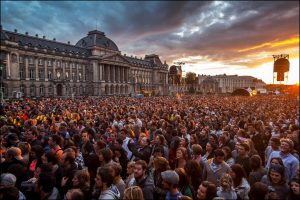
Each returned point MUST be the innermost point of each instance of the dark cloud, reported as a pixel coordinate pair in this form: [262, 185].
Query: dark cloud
[216, 31]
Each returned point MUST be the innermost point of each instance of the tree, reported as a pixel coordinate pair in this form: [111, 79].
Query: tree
[191, 79]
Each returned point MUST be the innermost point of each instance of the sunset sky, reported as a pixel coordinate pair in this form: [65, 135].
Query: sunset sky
[213, 37]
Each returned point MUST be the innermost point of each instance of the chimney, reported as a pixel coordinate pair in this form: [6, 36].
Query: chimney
[36, 35]
[68, 42]
[54, 39]
[124, 54]
[26, 33]
[44, 37]
[16, 30]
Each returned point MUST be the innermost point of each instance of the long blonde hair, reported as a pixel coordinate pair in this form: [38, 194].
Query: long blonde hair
[134, 192]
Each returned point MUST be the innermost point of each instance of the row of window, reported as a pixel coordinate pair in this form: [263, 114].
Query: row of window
[42, 90]
[49, 62]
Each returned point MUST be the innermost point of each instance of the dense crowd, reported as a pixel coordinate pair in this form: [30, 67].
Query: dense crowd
[183, 147]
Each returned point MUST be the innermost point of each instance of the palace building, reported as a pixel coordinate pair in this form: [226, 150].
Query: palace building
[33, 66]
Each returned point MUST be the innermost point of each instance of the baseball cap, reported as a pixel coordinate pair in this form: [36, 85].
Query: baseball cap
[8, 180]
[170, 176]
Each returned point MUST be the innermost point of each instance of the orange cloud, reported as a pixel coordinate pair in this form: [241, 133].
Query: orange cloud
[294, 40]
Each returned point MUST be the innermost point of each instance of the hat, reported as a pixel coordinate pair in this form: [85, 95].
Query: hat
[170, 176]
[8, 180]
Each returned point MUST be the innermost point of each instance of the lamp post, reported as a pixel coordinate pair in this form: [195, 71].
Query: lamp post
[1, 80]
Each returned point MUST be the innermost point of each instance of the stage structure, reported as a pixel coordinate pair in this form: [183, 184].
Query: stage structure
[281, 68]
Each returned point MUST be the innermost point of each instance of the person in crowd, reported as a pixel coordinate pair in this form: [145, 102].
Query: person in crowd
[225, 190]
[257, 170]
[144, 150]
[134, 192]
[294, 192]
[81, 181]
[170, 183]
[8, 181]
[104, 181]
[161, 164]
[258, 191]
[240, 182]
[276, 179]
[215, 167]
[184, 184]
[25, 149]
[55, 142]
[87, 146]
[69, 169]
[209, 151]
[194, 172]
[243, 158]
[130, 172]
[45, 187]
[207, 191]
[142, 179]
[290, 162]
[118, 181]
[274, 145]
[181, 157]
[35, 158]
[228, 155]
[74, 194]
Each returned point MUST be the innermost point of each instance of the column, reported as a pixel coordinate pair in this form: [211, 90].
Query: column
[113, 73]
[45, 72]
[108, 73]
[8, 65]
[100, 72]
[94, 71]
[63, 69]
[26, 69]
[77, 73]
[83, 73]
[54, 70]
[71, 72]
[36, 62]
[119, 74]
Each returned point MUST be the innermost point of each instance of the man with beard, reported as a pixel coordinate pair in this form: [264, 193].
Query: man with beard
[143, 180]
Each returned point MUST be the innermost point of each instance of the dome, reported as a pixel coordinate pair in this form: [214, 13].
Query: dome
[281, 64]
[97, 38]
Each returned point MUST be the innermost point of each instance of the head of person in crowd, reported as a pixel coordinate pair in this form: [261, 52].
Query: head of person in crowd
[161, 164]
[255, 162]
[276, 174]
[134, 192]
[196, 150]
[210, 147]
[11, 193]
[243, 150]
[258, 191]
[228, 153]
[31, 134]
[237, 173]
[207, 190]
[286, 145]
[276, 161]
[158, 151]
[213, 139]
[170, 179]
[183, 177]
[45, 185]
[81, 179]
[12, 140]
[74, 194]
[13, 153]
[181, 153]
[25, 148]
[140, 168]
[85, 136]
[105, 155]
[226, 182]
[130, 167]
[275, 143]
[294, 185]
[67, 160]
[104, 178]
[219, 156]
[49, 158]
[194, 139]
[7, 180]
[160, 140]
[54, 140]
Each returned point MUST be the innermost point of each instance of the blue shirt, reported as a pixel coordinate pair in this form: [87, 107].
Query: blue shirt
[172, 197]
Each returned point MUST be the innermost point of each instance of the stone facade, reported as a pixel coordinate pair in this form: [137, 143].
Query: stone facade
[38, 67]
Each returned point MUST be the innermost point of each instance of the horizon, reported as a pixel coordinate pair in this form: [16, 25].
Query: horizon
[207, 36]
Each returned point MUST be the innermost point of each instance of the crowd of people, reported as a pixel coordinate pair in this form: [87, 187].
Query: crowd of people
[183, 147]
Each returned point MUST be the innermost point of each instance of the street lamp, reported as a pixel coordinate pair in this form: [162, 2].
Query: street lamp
[1, 80]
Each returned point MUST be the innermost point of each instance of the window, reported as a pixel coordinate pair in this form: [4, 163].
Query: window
[50, 90]
[41, 90]
[49, 63]
[21, 73]
[30, 60]
[14, 58]
[32, 90]
[21, 59]
[40, 61]
[58, 64]
[22, 89]
[31, 74]
[49, 75]
[73, 76]
[41, 74]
